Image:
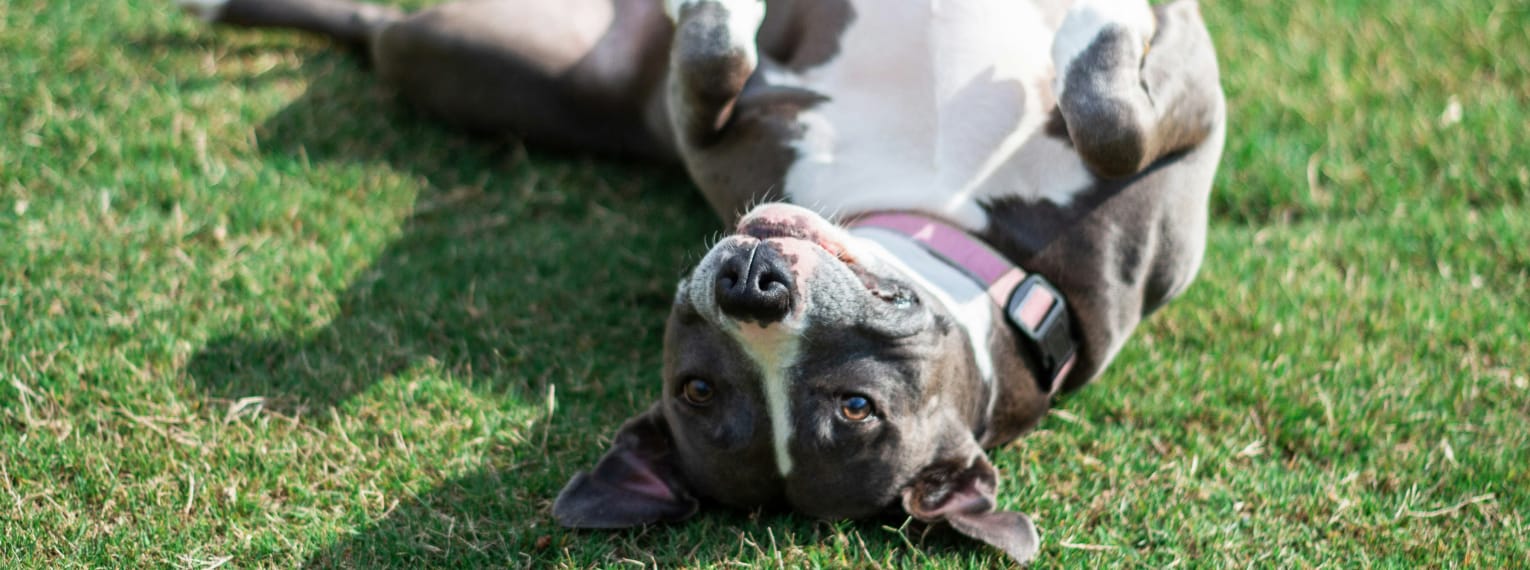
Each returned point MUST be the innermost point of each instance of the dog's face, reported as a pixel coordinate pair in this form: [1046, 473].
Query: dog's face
[801, 369]
[805, 368]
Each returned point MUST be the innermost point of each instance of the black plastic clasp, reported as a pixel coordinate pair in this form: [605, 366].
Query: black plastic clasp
[1051, 343]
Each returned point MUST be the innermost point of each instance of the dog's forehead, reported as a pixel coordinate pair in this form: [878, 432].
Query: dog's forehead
[855, 351]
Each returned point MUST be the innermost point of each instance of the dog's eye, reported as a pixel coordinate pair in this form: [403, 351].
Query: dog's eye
[856, 408]
[697, 391]
[898, 298]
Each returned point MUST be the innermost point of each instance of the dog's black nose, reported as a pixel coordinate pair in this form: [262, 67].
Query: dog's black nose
[755, 285]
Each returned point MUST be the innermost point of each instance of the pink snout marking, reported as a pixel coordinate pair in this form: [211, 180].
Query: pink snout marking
[803, 260]
[801, 254]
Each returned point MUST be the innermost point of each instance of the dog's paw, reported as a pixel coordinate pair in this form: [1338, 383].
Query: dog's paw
[744, 16]
[1087, 20]
[207, 10]
[712, 32]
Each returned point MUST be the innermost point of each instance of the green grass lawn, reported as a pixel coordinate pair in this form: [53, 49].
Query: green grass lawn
[254, 311]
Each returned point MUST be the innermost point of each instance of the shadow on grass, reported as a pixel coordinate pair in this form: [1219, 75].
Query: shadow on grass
[515, 272]
[509, 273]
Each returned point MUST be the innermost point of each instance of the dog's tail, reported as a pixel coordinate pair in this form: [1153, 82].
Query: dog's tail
[346, 21]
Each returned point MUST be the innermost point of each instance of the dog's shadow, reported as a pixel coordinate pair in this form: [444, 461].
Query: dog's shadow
[514, 273]
[512, 269]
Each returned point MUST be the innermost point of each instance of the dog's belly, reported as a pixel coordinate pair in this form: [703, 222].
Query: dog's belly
[933, 105]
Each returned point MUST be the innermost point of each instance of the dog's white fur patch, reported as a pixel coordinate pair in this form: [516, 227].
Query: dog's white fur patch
[933, 103]
[772, 349]
[207, 10]
[774, 352]
[1084, 22]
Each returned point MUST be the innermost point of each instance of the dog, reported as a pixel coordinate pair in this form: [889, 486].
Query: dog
[945, 213]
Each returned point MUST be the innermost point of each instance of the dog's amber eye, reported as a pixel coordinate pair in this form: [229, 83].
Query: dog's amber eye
[697, 391]
[855, 408]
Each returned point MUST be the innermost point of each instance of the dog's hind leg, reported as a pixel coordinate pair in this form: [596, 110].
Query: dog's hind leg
[345, 21]
[576, 74]
[1135, 83]
[582, 75]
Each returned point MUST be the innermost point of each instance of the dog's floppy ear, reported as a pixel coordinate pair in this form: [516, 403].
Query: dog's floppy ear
[637, 481]
[960, 491]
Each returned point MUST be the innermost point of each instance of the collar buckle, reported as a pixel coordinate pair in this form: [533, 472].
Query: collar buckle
[1037, 310]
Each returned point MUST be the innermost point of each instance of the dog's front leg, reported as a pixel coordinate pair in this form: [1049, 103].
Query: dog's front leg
[712, 57]
[1135, 83]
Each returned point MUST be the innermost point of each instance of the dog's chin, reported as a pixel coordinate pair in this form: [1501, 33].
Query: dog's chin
[767, 230]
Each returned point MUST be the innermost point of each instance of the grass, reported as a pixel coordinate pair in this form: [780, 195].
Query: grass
[255, 311]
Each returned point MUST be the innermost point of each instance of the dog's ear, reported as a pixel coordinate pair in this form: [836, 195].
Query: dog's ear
[637, 481]
[960, 491]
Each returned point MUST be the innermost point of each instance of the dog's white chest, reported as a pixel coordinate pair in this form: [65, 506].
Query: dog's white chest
[933, 105]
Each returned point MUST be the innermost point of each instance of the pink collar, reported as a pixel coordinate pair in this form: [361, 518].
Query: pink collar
[1032, 306]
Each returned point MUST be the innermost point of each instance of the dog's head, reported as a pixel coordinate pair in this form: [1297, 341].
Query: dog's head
[805, 367]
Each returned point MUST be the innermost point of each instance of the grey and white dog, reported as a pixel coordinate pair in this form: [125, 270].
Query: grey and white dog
[968, 206]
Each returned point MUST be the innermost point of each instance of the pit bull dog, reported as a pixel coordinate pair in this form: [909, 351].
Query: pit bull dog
[960, 209]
